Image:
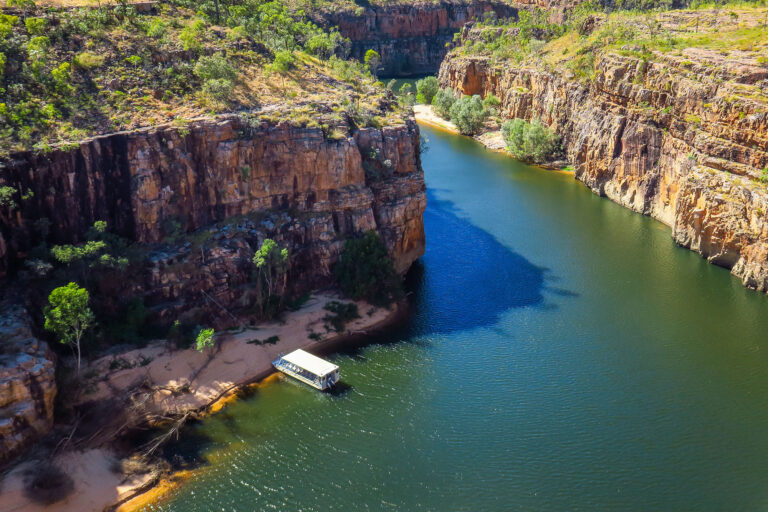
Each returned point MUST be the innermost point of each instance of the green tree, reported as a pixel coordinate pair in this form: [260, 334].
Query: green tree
[468, 114]
[272, 264]
[443, 101]
[68, 315]
[426, 89]
[372, 59]
[204, 339]
[365, 270]
[283, 62]
[530, 142]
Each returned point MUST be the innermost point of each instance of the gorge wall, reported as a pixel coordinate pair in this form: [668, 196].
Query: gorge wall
[202, 198]
[27, 383]
[676, 138]
[410, 37]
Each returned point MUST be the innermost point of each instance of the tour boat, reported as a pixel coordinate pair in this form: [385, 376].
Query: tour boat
[309, 369]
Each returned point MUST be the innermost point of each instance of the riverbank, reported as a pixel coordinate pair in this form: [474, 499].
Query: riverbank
[171, 384]
[490, 138]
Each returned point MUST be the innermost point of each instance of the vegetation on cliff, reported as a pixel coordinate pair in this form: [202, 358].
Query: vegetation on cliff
[66, 74]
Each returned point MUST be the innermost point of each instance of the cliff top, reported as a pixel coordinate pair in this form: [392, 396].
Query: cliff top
[727, 43]
[68, 74]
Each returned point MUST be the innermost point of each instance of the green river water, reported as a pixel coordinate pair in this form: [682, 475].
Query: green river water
[561, 354]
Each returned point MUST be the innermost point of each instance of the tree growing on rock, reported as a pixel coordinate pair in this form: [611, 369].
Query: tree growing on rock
[284, 62]
[68, 316]
[272, 264]
[372, 59]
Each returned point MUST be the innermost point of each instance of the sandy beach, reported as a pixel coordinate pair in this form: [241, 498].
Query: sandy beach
[181, 381]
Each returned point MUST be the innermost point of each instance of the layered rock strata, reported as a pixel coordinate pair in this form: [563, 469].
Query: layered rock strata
[27, 383]
[682, 138]
[411, 38]
[203, 198]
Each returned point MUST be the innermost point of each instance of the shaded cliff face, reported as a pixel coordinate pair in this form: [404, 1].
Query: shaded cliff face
[27, 383]
[675, 138]
[411, 38]
[236, 182]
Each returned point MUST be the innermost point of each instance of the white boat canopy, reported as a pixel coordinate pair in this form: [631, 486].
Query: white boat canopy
[312, 364]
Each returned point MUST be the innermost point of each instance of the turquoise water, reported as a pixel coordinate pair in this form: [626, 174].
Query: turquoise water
[561, 354]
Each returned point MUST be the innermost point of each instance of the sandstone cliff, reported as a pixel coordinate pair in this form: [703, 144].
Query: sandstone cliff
[233, 181]
[410, 37]
[681, 136]
[27, 384]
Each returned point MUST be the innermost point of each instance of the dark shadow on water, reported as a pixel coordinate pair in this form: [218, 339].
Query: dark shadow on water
[467, 279]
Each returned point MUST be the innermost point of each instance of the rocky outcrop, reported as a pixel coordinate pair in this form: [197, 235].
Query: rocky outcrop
[27, 383]
[212, 191]
[682, 138]
[410, 37]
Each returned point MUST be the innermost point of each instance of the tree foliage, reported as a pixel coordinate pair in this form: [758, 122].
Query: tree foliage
[530, 142]
[365, 271]
[272, 263]
[68, 316]
[468, 114]
[372, 59]
[426, 89]
[443, 101]
[204, 339]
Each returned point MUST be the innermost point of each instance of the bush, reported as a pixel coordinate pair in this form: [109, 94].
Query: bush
[443, 101]
[88, 60]
[365, 271]
[426, 89]
[214, 67]
[530, 142]
[468, 114]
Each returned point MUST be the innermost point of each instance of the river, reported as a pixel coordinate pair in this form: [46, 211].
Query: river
[561, 354]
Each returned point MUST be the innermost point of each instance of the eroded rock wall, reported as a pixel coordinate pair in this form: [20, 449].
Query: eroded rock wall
[676, 138]
[410, 37]
[234, 183]
[27, 383]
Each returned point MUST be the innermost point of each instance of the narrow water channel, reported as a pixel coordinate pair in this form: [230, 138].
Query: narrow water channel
[562, 354]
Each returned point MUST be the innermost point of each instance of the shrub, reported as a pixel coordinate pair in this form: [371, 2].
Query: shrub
[204, 340]
[764, 175]
[88, 60]
[217, 75]
[468, 114]
[365, 270]
[215, 66]
[530, 142]
[157, 28]
[443, 101]
[491, 103]
[426, 89]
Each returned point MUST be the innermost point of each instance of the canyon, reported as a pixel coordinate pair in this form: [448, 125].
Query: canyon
[411, 38]
[199, 201]
[682, 138]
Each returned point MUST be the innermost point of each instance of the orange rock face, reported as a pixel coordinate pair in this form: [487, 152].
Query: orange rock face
[411, 38]
[238, 183]
[27, 383]
[670, 138]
